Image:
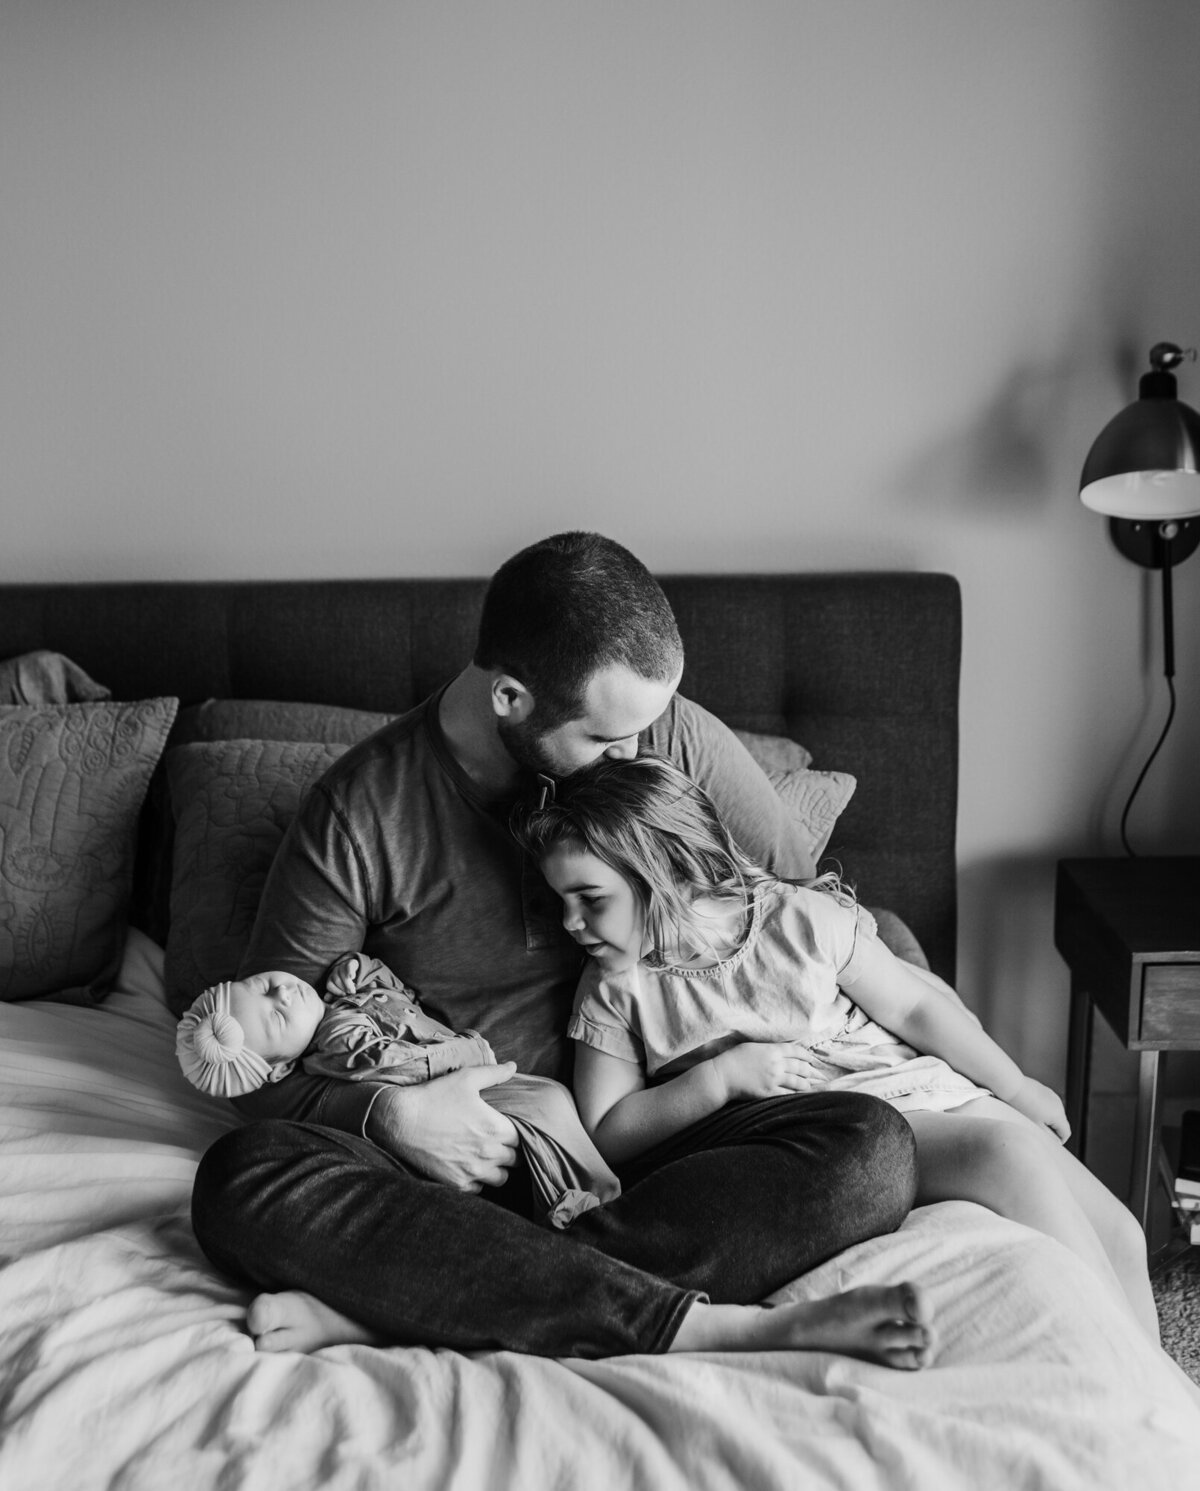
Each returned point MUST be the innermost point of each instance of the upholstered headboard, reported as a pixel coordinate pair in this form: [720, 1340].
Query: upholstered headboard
[860, 668]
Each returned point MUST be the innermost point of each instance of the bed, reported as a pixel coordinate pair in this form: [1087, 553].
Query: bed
[176, 726]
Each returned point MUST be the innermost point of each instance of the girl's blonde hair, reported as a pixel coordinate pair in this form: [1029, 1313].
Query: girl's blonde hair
[651, 823]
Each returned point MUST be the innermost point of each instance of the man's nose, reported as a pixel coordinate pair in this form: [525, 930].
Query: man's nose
[623, 750]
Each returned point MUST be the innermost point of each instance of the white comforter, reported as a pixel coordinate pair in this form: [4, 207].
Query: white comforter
[124, 1360]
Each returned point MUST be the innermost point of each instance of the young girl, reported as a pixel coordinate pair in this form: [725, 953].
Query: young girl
[710, 981]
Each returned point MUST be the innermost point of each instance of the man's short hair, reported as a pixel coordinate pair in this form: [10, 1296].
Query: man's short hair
[562, 609]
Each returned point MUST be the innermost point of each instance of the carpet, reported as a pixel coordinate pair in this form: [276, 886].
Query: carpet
[1176, 1284]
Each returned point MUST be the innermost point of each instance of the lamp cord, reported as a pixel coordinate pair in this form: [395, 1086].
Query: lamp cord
[1142, 774]
[1169, 673]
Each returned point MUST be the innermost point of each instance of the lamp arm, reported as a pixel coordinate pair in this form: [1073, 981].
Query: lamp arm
[1163, 539]
[1168, 608]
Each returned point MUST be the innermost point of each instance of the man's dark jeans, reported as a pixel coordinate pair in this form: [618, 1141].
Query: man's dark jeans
[731, 1209]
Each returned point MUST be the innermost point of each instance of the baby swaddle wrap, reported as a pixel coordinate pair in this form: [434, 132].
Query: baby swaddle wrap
[376, 1031]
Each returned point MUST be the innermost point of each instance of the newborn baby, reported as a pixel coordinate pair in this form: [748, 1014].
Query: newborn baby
[369, 1027]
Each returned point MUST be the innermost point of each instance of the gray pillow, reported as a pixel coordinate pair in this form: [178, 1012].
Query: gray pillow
[72, 781]
[274, 719]
[775, 752]
[233, 800]
[815, 799]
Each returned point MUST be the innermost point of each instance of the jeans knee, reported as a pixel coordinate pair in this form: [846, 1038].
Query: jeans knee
[223, 1165]
[886, 1152]
[241, 1180]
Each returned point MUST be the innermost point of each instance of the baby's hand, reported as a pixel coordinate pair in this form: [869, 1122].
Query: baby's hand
[764, 1069]
[1043, 1105]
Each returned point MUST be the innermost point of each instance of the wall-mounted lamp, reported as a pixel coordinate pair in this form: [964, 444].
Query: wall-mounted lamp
[1143, 471]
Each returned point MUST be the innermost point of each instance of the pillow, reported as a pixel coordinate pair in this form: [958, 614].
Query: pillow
[899, 937]
[72, 781]
[46, 678]
[227, 719]
[815, 799]
[775, 752]
[233, 799]
[274, 719]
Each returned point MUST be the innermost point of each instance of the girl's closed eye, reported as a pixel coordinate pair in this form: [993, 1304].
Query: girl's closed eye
[600, 910]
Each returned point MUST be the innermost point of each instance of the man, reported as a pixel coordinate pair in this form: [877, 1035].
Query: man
[403, 851]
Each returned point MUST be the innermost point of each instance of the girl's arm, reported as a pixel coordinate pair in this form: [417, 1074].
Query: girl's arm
[896, 997]
[625, 1117]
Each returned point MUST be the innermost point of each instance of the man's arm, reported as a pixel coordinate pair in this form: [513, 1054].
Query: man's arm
[316, 903]
[313, 909]
[442, 1128]
[755, 814]
[316, 906]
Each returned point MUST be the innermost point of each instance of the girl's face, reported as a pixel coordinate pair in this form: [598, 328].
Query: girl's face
[600, 910]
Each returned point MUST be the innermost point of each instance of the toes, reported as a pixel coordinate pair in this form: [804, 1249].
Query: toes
[914, 1303]
[262, 1315]
[275, 1340]
[904, 1335]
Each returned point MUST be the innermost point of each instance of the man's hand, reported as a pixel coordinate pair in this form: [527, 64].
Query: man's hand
[764, 1069]
[445, 1130]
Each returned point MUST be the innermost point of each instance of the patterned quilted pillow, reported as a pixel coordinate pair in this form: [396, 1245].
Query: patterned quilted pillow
[273, 719]
[233, 800]
[72, 781]
[815, 799]
[775, 752]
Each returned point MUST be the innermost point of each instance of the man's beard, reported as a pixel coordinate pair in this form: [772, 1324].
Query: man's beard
[526, 745]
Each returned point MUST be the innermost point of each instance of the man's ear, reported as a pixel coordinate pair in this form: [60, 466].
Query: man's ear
[511, 700]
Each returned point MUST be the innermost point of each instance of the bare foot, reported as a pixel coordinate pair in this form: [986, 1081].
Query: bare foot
[294, 1321]
[888, 1325]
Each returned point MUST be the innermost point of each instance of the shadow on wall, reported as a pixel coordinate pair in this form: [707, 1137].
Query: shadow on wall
[1009, 970]
[1007, 452]
[1011, 452]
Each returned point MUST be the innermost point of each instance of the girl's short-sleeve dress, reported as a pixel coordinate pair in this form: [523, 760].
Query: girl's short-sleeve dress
[788, 981]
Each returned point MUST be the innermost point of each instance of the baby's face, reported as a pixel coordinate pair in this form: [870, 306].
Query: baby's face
[278, 1014]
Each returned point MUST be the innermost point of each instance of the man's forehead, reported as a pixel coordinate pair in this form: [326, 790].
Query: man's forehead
[619, 702]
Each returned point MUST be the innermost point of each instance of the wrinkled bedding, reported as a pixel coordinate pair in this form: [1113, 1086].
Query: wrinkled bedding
[124, 1360]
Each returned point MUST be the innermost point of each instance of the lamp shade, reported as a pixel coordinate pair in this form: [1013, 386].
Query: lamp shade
[1145, 463]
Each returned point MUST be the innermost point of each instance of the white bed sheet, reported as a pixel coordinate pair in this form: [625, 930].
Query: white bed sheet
[124, 1360]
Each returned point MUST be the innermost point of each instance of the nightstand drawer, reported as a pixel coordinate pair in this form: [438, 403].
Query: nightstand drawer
[1171, 1002]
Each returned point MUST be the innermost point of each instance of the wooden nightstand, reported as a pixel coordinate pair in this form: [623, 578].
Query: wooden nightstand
[1129, 930]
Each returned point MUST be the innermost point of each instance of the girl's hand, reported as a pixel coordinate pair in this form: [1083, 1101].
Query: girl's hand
[764, 1069]
[1043, 1105]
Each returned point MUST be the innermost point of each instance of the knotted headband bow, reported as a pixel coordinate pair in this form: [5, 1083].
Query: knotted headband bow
[211, 1046]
